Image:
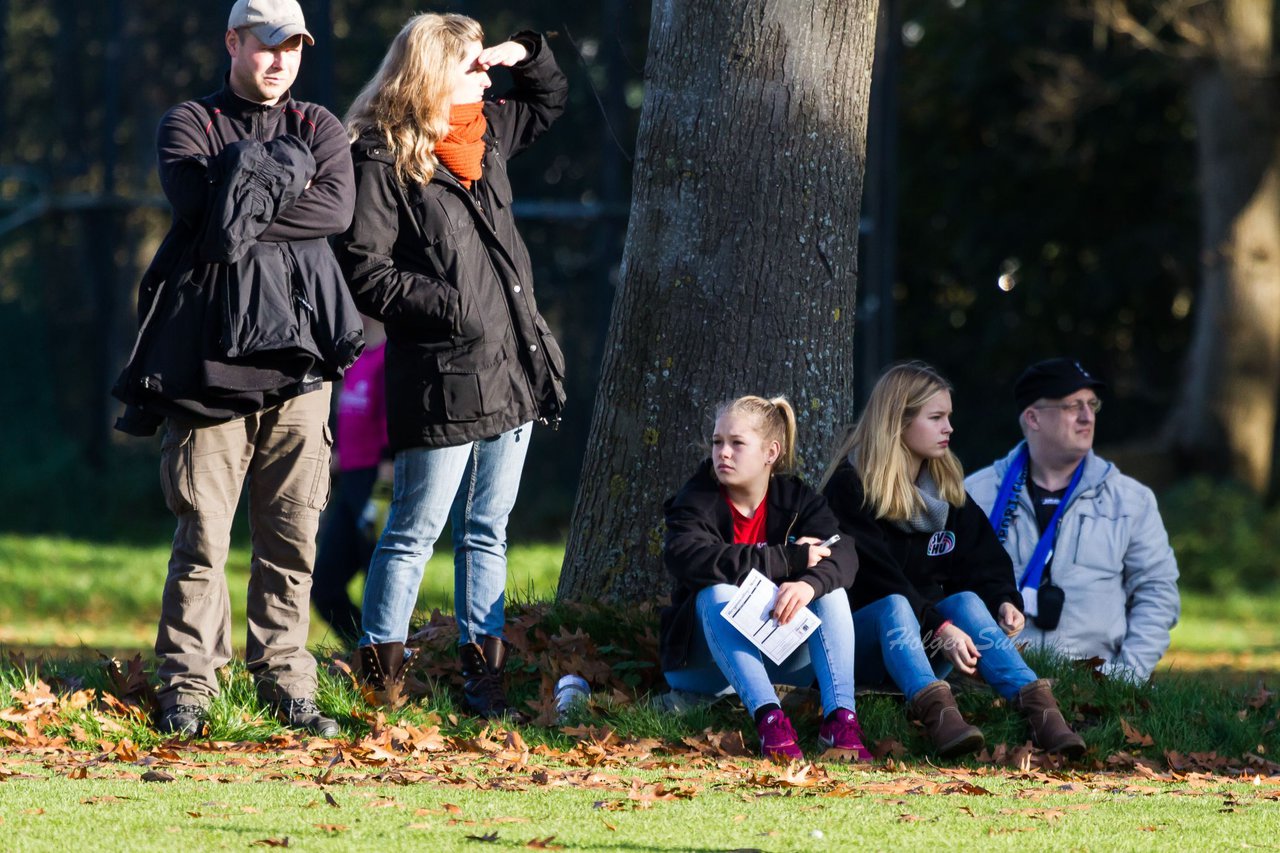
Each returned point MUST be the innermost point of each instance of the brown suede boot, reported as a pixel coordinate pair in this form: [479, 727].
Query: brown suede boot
[482, 686]
[1049, 728]
[950, 734]
[380, 669]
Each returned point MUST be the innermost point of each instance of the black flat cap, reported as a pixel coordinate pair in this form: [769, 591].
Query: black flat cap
[1052, 379]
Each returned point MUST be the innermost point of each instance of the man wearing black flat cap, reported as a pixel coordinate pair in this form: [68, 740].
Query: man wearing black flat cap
[1090, 552]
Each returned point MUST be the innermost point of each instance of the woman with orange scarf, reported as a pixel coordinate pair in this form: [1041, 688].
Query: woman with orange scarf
[434, 254]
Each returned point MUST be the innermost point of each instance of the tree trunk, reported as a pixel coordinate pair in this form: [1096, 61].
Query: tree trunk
[739, 270]
[1225, 421]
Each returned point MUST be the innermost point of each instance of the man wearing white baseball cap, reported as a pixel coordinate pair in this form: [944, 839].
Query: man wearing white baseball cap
[245, 321]
[272, 22]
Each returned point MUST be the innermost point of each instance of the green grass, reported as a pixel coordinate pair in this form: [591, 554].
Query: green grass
[51, 812]
[63, 594]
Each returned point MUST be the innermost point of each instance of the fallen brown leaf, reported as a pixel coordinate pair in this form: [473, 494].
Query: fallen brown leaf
[1133, 736]
[961, 787]
[272, 842]
[1261, 697]
[157, 776]
[1048, 815]
[332, 827]
[888, 746]
[544, 844]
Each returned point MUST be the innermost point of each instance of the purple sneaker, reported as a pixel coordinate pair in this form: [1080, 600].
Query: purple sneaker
[843, 732]
[778, 739]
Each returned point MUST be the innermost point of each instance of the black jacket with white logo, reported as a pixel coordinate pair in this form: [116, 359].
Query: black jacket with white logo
[965, 556]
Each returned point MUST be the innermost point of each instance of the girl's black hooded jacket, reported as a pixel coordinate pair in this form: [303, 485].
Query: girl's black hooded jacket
[699, 551]
[922, 567]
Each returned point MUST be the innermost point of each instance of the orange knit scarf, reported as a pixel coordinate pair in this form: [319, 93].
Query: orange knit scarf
[462, 151]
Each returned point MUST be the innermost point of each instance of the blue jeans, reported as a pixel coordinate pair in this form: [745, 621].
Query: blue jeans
[474, 487]
[721, 660]
[344, 551]
[889, 643]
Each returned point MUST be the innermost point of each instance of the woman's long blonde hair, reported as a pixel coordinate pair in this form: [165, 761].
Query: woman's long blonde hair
[407, 101]
[774, 419]
[876, 450]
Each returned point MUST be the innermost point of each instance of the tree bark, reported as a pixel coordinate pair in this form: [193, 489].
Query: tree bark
[740, 268]
[1225, 421]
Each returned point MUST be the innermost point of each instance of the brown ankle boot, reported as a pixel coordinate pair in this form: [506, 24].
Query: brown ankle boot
[1049, 728]
[381, 669]
[482, 687]
[950, 734]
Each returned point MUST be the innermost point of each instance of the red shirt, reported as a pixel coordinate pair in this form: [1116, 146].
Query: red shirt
[748, 531]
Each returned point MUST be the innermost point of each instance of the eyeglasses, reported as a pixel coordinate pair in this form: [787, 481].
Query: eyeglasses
[1077, 408]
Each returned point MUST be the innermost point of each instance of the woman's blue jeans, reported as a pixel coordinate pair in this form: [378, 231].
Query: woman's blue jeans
[721, 660]
[474, 487]
[889, 644]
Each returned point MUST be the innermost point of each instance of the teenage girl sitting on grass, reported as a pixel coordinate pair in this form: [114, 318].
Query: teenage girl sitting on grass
[932, 570]
[740, 511]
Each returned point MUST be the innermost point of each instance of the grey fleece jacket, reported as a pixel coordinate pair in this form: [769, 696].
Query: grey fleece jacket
[1112, 559]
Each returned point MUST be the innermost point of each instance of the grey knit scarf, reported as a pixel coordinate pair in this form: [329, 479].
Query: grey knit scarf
[933, 516]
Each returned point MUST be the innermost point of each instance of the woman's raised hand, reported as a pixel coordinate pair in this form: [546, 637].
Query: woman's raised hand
[507, 53]
[959, 648]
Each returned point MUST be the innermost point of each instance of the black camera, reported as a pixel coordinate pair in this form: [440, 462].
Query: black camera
[1049, 601]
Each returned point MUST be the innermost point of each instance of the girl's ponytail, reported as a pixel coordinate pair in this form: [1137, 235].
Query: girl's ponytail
[787, 458]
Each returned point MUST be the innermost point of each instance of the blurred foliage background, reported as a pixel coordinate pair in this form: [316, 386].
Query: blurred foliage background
[1029, 147]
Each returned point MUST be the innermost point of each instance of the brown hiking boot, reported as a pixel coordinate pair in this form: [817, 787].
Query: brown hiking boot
[950, 734]
[482, 687]
[1049, 728]
[381, 669]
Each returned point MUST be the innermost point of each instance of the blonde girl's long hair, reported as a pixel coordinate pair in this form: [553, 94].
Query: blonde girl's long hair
[774, 419]
[407, 100]
[876, 450]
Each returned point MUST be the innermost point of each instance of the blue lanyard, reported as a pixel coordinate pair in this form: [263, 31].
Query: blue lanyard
[1013, 480]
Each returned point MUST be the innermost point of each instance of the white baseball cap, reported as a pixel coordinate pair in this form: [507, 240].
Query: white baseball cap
[271, 21]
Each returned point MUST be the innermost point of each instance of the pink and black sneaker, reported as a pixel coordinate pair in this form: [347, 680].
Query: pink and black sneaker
[843, 732]
[778, 738]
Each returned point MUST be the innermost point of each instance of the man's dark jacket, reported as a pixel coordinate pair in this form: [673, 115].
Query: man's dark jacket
[894, 561]
[699, 551]
[445, 270]
[244, 304]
